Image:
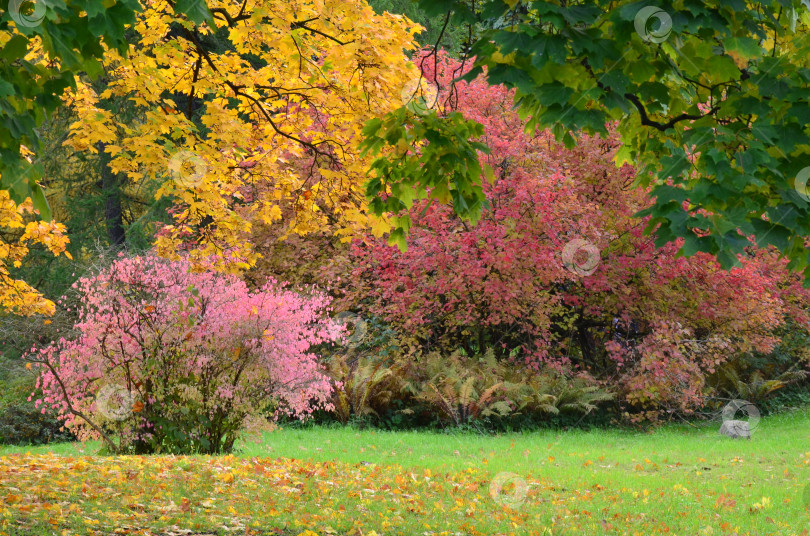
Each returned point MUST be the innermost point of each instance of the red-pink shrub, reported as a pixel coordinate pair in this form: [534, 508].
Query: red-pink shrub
[646, 321]
[171, 360]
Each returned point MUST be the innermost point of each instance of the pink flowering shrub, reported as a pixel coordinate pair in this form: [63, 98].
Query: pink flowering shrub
[164, 359]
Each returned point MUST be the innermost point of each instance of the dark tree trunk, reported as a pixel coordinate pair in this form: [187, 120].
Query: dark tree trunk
[585, 344]
[111, 188]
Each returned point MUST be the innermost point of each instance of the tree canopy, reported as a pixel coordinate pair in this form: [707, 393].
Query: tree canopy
[311, 113]
[710, 100]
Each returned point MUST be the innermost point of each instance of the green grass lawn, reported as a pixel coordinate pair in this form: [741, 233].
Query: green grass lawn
[675, 480]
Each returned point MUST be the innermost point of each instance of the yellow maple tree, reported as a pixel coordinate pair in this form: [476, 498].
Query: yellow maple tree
[256, 118]
[17, 233]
